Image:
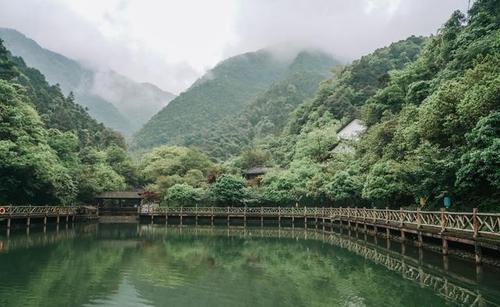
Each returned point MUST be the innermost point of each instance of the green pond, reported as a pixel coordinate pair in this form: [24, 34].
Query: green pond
[156, 265]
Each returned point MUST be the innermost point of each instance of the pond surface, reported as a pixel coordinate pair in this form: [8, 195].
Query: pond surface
[145, 265]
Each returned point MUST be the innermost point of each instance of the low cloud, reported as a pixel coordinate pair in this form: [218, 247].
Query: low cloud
[171, 43]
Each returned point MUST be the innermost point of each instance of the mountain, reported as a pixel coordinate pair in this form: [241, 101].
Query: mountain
[125, 95]
[51, 150]
[432, 111]
[111, 98]
[225, 93]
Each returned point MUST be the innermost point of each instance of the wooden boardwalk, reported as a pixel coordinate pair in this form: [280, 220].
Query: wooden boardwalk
[39, 213]
[472, 228]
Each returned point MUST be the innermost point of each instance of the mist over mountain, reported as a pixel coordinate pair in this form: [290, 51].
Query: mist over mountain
[224, 93]
[113, 99]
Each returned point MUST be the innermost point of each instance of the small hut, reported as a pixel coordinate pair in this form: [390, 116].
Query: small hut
[119, 202]
[254, 175]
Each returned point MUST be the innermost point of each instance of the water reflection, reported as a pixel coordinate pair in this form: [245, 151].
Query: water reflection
[152, 265]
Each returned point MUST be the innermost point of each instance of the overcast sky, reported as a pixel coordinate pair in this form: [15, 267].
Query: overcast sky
[172, 42]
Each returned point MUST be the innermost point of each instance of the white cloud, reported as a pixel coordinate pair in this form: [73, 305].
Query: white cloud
[171, 43]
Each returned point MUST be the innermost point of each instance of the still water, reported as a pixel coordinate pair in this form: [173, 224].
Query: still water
[153, 265]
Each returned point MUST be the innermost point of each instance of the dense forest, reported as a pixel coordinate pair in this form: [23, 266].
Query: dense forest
[430, 107]
[51, 150]
[113, 99]
[235, 84]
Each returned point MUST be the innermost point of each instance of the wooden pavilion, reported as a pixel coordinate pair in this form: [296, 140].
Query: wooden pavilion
[119, 202]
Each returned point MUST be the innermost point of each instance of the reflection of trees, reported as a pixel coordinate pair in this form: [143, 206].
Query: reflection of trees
[190, 266]
[68, 274]
[267, 272]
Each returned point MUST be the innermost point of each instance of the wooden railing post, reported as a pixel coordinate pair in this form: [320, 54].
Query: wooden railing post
[443, 221]
[419, 220]
[475, 223]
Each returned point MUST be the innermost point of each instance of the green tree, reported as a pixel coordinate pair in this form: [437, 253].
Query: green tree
[30, 170]
[387, 184]
[229, 190]
[183, 195]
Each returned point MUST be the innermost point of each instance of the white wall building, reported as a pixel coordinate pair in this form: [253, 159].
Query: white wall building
[351, 132]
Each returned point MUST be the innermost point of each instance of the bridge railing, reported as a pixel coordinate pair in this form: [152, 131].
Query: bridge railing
[36, 211]
[470, 222]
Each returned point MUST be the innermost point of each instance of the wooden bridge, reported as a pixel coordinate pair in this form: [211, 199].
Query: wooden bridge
[472, 228]
[480, 230]
[40, 213]
[453, 288]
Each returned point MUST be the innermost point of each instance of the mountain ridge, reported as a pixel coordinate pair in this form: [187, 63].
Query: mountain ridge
[223, 92]
[84, 83]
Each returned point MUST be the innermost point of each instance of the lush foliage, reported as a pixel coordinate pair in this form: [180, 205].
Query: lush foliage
[432, 121]
[229, 190]
[165, 167]
[110, 98]
[51, 150]
[242, 98]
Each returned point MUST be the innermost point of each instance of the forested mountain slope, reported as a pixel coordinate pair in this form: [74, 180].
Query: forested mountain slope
[112, 99]
[267, 115]
[433, 125]
[236, 94]
[51, 150]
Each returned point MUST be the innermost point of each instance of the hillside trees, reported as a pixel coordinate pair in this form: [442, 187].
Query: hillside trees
[165, 166]
[430, 113]
[30, 169]
[52, 151]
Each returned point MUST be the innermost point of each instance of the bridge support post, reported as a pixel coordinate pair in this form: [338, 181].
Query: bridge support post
[446, 262]
[28, 222]
[196, 216]
[479, 272]
[67, 219]
[261, 217]
[387, 233]
[245, 216]
[478, 253]
[8, 223]
[45, 220]
[57, 218]
[228, 218]
[445, 246]
[403, 236]
[279, 216]
[166, 218]
[293, 221]
[419, 239]
[180, 221]
[305, 217]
